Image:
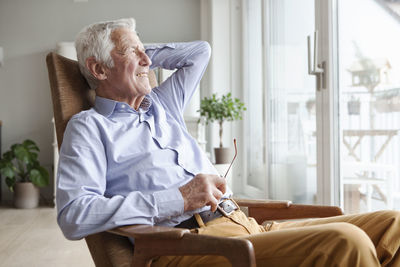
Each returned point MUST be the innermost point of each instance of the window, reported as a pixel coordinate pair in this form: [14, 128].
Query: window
[336, 143]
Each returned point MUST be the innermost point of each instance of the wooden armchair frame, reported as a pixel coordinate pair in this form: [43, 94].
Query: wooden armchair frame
[70, 95]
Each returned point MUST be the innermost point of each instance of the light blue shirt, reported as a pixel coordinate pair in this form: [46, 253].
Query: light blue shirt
[119, 166]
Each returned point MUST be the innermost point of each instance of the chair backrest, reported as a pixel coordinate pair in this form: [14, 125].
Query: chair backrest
[69, 90]
[72, 94]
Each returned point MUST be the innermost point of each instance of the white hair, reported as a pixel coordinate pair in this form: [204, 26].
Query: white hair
[95, 41]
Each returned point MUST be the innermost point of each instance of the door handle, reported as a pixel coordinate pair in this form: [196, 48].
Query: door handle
[317, 69]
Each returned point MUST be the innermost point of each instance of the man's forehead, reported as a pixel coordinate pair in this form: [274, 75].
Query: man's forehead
[121, 36]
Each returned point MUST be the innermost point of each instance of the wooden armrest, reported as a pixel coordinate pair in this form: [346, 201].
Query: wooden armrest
[150, 232]
[239, 252]
[263, 203]
[153, 241]
[264, 210]
[294, 211]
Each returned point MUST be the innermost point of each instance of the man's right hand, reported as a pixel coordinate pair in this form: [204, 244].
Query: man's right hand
[203, 190]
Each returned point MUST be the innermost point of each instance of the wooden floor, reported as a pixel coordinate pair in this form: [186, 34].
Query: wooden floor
[32, 238]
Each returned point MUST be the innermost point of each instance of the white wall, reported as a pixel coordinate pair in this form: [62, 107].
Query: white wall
[31, 29]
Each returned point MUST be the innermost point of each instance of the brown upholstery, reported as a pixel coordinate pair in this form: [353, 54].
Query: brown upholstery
[69, 89]
[71, 94]
[109, 249]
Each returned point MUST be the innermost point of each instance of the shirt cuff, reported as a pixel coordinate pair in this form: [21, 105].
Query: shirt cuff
[169, 203]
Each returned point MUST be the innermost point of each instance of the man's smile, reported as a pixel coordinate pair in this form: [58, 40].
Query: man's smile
[142, 74]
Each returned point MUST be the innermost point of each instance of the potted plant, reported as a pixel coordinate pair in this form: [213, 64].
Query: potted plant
[23, 173]
[221, 109]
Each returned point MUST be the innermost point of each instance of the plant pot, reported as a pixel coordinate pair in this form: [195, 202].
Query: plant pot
[353, 107]
[223, 155]
[26, 196]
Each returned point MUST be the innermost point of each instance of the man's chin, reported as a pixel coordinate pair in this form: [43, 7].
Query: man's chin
[148, 88]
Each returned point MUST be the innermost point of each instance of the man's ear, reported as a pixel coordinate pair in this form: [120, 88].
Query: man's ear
[97, 69]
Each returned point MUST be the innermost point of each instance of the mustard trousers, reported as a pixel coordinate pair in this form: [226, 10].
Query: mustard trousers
[369, 239]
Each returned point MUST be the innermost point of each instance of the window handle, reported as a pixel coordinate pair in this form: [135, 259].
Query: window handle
[317, 69]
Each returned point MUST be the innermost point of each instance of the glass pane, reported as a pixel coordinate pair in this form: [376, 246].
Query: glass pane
[291, 102]
[255, 100]
[369, 72]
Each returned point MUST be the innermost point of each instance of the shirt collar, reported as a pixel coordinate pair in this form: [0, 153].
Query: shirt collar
[106, 106]
[146, 104]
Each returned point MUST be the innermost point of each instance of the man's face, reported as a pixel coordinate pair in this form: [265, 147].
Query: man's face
[129, 76]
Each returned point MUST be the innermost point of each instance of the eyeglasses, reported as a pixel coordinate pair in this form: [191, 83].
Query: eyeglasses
[234, 157]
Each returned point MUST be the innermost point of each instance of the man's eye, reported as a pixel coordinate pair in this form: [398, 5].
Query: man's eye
[124, 52]
[132, 50]
[129, 50]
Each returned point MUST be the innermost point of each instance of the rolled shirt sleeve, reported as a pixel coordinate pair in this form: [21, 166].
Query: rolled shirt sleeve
[191, 60]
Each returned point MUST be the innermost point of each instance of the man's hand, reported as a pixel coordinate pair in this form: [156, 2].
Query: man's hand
[203, 190]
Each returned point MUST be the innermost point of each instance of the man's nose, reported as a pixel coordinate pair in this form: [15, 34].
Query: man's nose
[144, 59]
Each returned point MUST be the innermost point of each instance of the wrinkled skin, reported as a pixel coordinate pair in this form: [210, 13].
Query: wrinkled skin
[203, 190]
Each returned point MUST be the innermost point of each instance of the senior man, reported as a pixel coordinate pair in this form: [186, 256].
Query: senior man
[131, 160]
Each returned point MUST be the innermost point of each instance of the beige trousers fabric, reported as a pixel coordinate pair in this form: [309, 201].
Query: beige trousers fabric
[369, 239]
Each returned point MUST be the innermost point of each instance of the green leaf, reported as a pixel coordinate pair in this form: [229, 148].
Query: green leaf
[9, 155]
[22, 153]
[34, 156]
[30, 145]
[10, 183]
[7, 171]
[39, 176]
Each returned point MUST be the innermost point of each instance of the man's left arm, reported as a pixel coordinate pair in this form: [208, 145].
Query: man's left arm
[190, 59]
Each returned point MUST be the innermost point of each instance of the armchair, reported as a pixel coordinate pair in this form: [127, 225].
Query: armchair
[70, 95]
